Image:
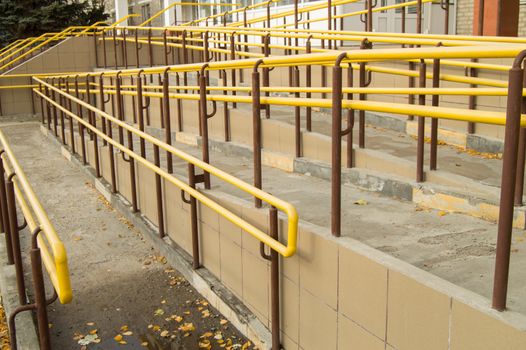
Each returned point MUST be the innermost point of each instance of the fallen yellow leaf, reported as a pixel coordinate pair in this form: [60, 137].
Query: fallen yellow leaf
[205, 344]
[187, 327]
[159, 312]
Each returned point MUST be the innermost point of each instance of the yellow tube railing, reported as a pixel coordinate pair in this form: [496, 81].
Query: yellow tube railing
[459, 114]
[55, 258]
[292, 216]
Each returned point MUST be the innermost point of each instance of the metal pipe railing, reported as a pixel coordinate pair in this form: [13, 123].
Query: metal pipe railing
[46, 248]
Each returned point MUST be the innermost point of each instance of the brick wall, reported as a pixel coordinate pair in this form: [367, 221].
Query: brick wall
[465, 17]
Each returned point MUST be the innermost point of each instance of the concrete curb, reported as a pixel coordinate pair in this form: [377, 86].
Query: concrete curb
[26, 332]
[202, 280]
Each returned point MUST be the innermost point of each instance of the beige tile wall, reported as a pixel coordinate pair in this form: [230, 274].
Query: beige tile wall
[71, 55]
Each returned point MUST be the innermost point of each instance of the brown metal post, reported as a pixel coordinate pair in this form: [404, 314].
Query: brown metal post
[256, 130]
[103, 35]
[444, 4]
[403, 20]
[509, 171]
[473, 72]
[115, 44]
[165, 46]
[124, 49]
[350, 119]
[521, 157]
[193, 218]
[62, 119]
[329, 21]
[362, 80]
[150, 47]
[102, 103]
[137, 47]
[131, 161]
[81, 126]
[370, 15]
[179, 105]
[95, 48]
[120, 108]
[108, 131]
[480, 28]
[40, 293]
[55, 115]
[419, 16]
[15, 239]
[421, 127]
[266, 74]
[185, 57]
[226, 112]
[71, 130]
[336, 152]
[158, 192]
[268, 14]
[274, 281]
[308, 83]
[233, 71]
[167, 119]
[42, 113]
[297, 116]
[92, 119]
[323, 72]
[140, 113]
[88, 100]
[203, 115]
[48, 109]
[434, 121]
[5, 214]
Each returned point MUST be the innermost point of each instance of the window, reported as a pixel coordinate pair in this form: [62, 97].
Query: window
[409, 9]
[145, 12]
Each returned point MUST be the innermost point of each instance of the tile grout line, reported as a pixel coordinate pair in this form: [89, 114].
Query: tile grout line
[386, 310]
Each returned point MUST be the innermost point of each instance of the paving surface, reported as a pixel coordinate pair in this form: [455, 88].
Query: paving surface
[121, 287]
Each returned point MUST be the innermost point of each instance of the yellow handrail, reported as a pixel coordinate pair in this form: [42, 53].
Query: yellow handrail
[353, 56]
[56, 261]
[459, 114]
[285, 250]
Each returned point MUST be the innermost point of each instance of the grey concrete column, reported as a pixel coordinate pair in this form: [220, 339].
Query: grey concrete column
[121, 10]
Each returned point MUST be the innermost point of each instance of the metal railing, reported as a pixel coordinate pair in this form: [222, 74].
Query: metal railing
[58, 102]
[46, 247]
[340, 100]
[227, 49]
